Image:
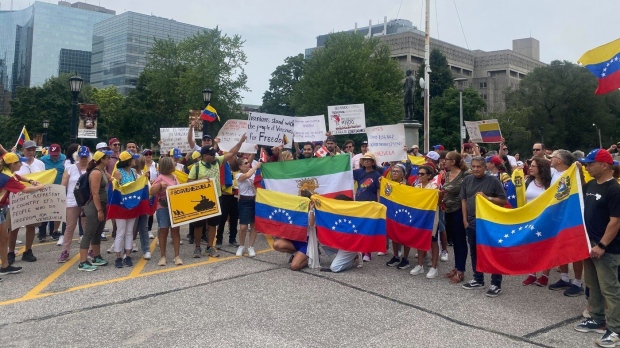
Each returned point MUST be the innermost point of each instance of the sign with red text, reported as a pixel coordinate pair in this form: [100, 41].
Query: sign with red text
[231, 133]
[267, 129]
[310, 128]
[346, 119]
[386, 142]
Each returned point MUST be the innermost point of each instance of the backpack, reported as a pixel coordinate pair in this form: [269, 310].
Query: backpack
[82, 190]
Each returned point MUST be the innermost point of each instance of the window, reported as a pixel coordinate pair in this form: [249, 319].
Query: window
[483, 85]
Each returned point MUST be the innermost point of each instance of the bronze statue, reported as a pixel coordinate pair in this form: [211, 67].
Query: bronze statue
[409, 98]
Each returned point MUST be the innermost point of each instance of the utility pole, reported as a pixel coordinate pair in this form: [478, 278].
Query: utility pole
[427, 81]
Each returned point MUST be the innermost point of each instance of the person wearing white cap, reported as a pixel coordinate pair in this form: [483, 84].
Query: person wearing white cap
[103, 146]
[415, 151]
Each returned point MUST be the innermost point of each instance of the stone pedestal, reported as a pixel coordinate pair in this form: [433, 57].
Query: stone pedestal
[412, 132]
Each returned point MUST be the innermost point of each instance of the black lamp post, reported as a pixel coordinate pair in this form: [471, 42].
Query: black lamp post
[75, 83]
[206, 97]
[46, 124]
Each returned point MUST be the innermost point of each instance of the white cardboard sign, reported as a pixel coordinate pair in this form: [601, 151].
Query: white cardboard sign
[174, 137]
[231, 133]
[386, 142]
[49, 204]
[346, 119]
[267, 129]
[310, 128]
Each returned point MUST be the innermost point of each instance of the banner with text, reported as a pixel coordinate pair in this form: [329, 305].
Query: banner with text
[274, 130]
[34, 208]
[193, 201]
[485, 131]
[87, 124]
[310, 128]
[230, 134]
[386, 142]
[174, 137]
[346, 119]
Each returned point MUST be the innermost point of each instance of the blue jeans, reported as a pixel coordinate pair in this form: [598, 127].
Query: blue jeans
[601, 276]
[143, 231]
[496, 279]
[343, 261]
[455, 227]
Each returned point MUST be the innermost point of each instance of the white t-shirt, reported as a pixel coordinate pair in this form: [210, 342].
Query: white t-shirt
[179, 166]
[68, 163]
[246, 187]
[153, 171]
[532, 191]
[512, 160]
[36, 166]
[355, 161]
[556, 175]
[74, 175]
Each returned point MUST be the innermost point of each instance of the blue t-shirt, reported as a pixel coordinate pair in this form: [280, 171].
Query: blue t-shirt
[58, 165]
[367, 184]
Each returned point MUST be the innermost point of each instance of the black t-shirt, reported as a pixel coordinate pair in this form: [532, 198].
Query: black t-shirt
[601, 201]
[489, 185]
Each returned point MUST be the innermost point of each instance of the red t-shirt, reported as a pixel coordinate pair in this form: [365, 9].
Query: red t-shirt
[9, 183]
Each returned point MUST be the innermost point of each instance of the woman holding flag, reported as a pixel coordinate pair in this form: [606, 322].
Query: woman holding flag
[247, 197]
[124, 174]
[398, 174]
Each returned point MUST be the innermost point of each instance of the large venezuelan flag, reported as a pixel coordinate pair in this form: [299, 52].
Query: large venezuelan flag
[547, 232]
[130, 200]
[490, 132]
[604, 63]
[411, 213]
[282, 215]
[350, 226]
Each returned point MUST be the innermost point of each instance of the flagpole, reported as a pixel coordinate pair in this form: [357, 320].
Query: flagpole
[427, 80]
[20, 135]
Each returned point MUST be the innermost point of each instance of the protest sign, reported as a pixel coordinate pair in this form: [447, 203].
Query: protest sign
[386, 142]
[48, 204]
[230, 134]
[346, 119]
[310, 128]
[194, 118]
[87, 124]
[486, 131]
[174, 137]
[274, 130]
[193, 201]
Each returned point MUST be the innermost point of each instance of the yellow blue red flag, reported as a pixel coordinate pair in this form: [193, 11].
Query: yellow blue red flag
[518, 180]
[209, 114]
[604, 63]
[282, 215]
[45, 177]
[130, 200]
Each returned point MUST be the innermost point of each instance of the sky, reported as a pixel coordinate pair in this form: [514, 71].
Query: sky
[276, 29]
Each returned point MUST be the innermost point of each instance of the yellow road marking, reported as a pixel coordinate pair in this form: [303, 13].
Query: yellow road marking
[269, 240]
[139, 266]
[47, 281]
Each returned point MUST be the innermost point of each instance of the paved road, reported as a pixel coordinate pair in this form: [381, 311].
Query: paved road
[258, 302]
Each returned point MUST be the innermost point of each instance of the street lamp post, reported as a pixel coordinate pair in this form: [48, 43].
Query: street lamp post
[46, 124]
[460, 80]
[600, 141]
[75, 82]
[206, 97]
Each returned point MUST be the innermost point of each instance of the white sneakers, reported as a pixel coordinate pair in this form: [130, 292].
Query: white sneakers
[61, 239]
[147, 255]
[417, 270]
[251, 252]
[444, 256]
[432, 273]
[240, 251]
[151, 236]
[134, 248]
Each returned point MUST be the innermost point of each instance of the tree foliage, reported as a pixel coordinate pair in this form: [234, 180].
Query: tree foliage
[441, 79]
[445, 115]
[278, 99]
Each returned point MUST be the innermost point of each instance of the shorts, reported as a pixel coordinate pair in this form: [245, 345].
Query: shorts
[163, 218]
[302, 247]
[246, 211]
[212, 221]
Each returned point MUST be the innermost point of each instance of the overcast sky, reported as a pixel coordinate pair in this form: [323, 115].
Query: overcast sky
[276, 29]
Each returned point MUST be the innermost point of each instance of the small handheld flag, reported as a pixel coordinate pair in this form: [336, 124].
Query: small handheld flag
[209, 114]
[321, 152]
[23, 136]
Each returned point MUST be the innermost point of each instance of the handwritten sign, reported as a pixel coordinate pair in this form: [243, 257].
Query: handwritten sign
[310, 128]
[33, 208]
[193, 201]
[346, 119]
[386, 142]
[174, 137]
[274, 130]
[231, 133]
[485, 131]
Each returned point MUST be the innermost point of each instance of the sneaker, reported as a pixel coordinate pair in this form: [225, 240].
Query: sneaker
[542, 281]
[118, 263]
[178, 261]
[393, 261]
[417, 270]
[111, 249]
[134, 248]
[80, 240]
[10, 270]
[86, 266]
[147, 255]
[573, 291]
[151, 236]
[162, 261]
[366, 257]
[560, 285]
[180, 242]
[233, 244]
[104, 238]
[494, 291]
[99, 261]
[212, 252]
[18, 242]
[42, 239]
[531, 279]
[432, 273]
[218, 243]
[11, 257]
[28, 256]
[404, 264]
[61, 239]
[251, 252]
[197, 253]
[473, 284]
[591, 325]
[56, 235]
[444, 256]
[381, 254]
[128, 261]
[90, 255]
[240, 251]
[64, 256]
[609, 339]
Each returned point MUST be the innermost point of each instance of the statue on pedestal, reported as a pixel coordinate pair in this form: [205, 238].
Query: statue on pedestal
[409, 97]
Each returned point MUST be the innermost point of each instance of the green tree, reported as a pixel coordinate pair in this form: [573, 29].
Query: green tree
[277, 100]
[111, 111]
[441, 79]
[445, 115]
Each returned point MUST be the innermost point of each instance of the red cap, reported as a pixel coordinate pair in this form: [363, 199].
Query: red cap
[112, 141]
[495, 160]
[467, 145]
[54, 149]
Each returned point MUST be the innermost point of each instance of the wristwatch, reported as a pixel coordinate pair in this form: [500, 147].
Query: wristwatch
[601, 245]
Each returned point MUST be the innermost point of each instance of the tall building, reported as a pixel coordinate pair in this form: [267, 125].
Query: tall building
[120, 46]
[43, 40]
[490, 73]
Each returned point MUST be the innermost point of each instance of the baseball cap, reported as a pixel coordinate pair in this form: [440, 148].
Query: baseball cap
[101, 145]
[113, 140]
[176, 153]
[11, 158]
[54, 149]
[438, 147]
[495, 160]
[147, 152]
[207, 150]
[99, 155]
[29, 144]
[433, 155]
[83, 151]
[599, 155]
[126, 155]
[195, 155]
[365, 142]
[330, 138]
[206, 136]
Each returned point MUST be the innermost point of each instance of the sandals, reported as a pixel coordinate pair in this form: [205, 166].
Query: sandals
[451, 273]
[457, 278]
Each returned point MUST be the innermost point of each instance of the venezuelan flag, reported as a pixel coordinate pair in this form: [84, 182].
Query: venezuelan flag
[411, 213]
[130, 200]
[350, 226]
[490, 132]
[282, 215]
[45, 177]
[518, 180]
[181, 176]
[604, 63]
[209, 114]
[547, 232]
[23, 136]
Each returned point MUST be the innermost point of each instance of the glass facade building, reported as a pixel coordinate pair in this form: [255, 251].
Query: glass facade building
[120, 45]
[32, 42]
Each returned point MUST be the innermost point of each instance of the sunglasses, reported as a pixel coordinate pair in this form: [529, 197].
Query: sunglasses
[505, 149]
[536, 149]
[116, 144]
[420, 174]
